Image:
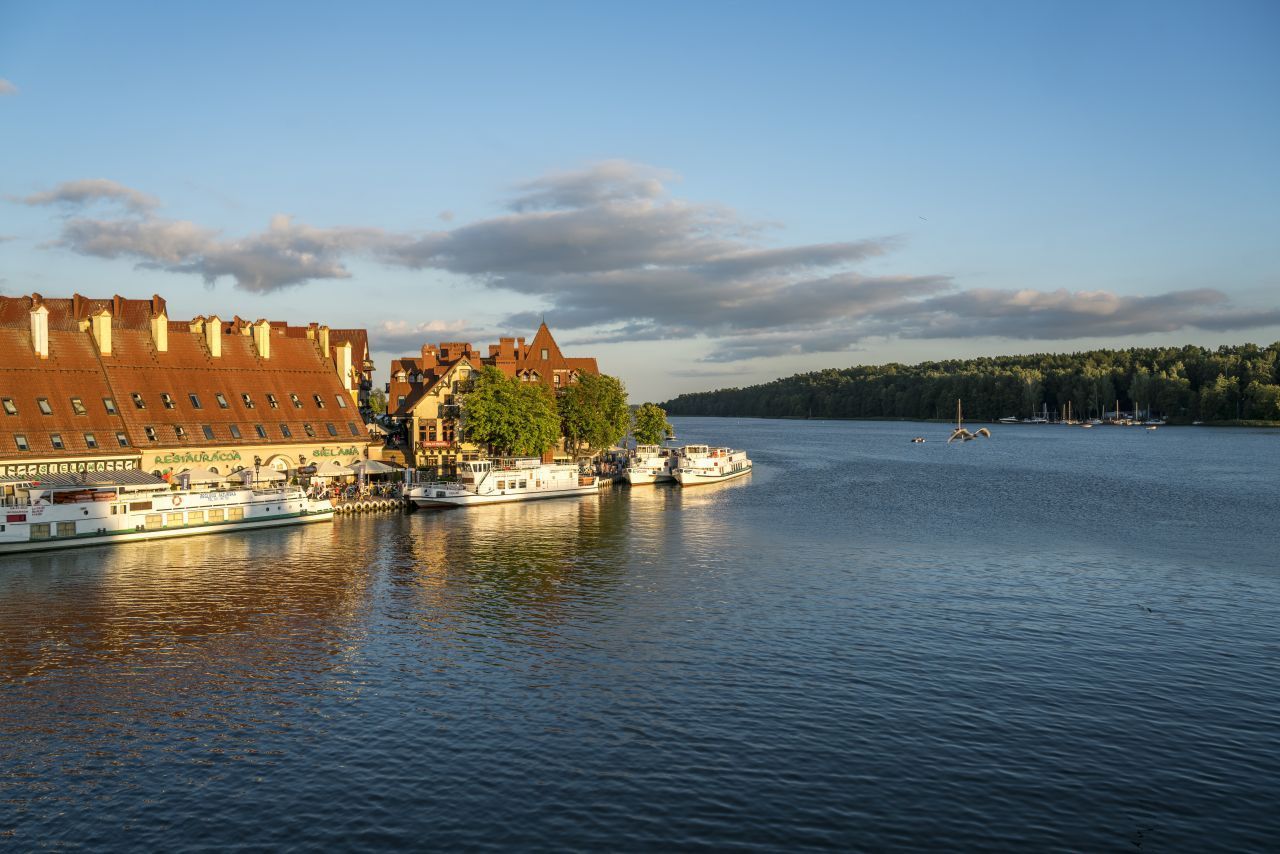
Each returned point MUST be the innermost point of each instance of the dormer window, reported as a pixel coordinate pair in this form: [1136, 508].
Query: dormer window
[137, 401]
[311, 431]
[43, 403]
[319, 400]
[248, 401]
[195, 401]
[21, 441]
[151, 433]
[77, 406]
[297, 404]
[272, 402]
[110, 405]
[180, 431]
[342, 402]
[222, 401]
[55, 439]
[166, 400]
[10, 408]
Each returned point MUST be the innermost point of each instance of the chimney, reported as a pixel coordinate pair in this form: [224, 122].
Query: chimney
[159, 326]
[100, 323]
[324, 341]
[117, 306]
[39, 326]
[213, 336]
[343, 352]
[262, 338]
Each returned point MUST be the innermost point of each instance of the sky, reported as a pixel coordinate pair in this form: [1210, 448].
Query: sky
[700, 195]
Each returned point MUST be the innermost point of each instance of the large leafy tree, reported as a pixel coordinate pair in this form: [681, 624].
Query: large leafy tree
[593, 414]
[510, 417]
[378, 401]
[649, 424]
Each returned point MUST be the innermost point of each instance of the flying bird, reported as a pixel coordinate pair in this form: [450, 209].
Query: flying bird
[965, 436]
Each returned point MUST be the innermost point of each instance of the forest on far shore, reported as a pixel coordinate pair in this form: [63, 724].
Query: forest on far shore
[1182, 384]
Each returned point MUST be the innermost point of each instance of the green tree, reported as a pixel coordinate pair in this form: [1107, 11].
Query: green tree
[378, 401]
[510, 417]
[649, 424]
[593, 414]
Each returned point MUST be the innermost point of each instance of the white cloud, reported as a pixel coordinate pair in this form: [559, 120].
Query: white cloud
[7, 87]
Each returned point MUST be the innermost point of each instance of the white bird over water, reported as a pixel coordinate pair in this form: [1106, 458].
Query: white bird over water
[964, 435]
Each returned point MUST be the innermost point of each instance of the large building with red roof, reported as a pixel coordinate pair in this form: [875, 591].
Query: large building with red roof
[103, 384]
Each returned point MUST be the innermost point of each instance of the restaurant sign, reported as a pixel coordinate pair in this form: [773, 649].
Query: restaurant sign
[349, 451]
[29, 469]
[197, 457]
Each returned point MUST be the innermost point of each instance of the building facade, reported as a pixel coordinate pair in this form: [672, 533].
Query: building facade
[91, 384]
[423, 389]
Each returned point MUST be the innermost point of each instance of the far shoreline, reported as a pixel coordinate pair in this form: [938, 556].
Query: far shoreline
[1170, 423]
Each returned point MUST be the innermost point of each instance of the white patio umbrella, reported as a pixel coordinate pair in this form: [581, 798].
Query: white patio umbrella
[331, 468]
[371, 467]
[187, 477]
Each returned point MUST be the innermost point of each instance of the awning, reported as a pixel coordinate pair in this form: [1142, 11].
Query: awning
[372, 467]
[120, 477]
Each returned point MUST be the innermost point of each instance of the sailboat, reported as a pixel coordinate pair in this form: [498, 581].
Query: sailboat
[962, 434]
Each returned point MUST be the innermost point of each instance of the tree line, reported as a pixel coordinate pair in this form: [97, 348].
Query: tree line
[1183, 384]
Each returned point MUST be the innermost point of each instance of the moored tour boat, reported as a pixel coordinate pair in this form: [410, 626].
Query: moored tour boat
[701, 464]
[651, 464]
[502, 480]
[66, 511]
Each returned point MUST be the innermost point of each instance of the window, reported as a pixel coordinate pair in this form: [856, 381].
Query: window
[10, 408]
[172, 519]
[310, 431]
[556, 379]
[235, 431]
[110, 405]
[137, 401]
[55, 439]
[333, 431]
[208, 431]
[285, 431]
[77, 406]
[195, 401]
[319, 401]
[544, 354]
[195, 517]
[222, 401]
[66, 529]
[235, 514]
[151, 433]
[399, 401]
[297, 404]
[248, 401]
[215, 515]
[342, 401]
[90, 441]
[272, 402]
[21, 441]
[166, 400]
[180, 431]
[260, 430]
[43, 403]
[39, 530]
[352, 426]
[122, 439]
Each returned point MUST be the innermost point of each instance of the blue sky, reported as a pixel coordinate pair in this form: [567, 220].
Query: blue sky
[698, 194]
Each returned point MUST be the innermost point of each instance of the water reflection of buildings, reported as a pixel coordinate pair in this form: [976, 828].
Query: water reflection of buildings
[214, 605]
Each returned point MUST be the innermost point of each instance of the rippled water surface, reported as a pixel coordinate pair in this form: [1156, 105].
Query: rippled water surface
[1058, 639]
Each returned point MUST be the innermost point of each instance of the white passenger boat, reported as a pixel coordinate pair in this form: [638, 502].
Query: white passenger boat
[699, 464]
[502, 480]
[651, 464]
[66, 511]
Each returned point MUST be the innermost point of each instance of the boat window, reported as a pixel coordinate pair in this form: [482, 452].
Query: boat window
[122, 439]
[137, 401]
[272, 402]
[311, 431]
[110, 405]
[55, 439]
[172, 519]
[319, 400]
[260, 430]
[90, 440]
[333, 431]
[166, 400]
[39, 530]
[297, 404]
[77, 406]
[342, 402]
[235, 431]
[195, 401]
[502, 484]
[10, 408]
[43, 403]
[248, 401]
[151, 433]
[215, 515]
[208, 430]
[285, 431]
[21, 441]
[66, 529]
[222, 401]
[180, 431]
[195, 517]
[523, 484]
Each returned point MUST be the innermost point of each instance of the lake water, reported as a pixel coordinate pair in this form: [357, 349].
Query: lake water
[1056, 639]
